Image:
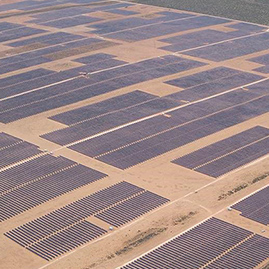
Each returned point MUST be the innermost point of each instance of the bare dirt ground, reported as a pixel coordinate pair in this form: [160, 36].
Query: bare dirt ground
[194, 196]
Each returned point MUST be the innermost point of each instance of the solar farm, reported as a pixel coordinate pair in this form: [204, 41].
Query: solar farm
[132, 137]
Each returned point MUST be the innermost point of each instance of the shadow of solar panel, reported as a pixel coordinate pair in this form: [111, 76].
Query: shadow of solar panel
[216, 150]
[68, 215]
[255, 207]
[247, 255]
[205, 242]
[44, 189]
[66, 240]
[131, 209]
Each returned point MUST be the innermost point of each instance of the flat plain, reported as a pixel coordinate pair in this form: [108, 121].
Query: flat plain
[129, 133]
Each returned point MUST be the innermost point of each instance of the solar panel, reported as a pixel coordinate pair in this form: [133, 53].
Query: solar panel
[212, 244]
[255, 207]
[131, 209]
[66, 228]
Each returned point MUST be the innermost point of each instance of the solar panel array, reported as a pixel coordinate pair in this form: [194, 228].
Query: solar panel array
[264, 61]
[144, 140]
[35, 176]
[81, 88]
[228, 154]
[144, 106]
[14, 150]
[211, 82]
[191, 41]
[66, 240]
[66, 228]
[58, 54]
[232, 49]
[7, 140]
[212, 244]
[102, 108]
[131, 209]
[255, 207]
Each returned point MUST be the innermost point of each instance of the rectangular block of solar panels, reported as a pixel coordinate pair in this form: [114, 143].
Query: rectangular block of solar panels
[66, 240]
[23, 32]
[168, 27]
[97, 66]
[109, 121]
[4, 26]
[28, 85]
[221, 148]
[127, 147]
[122, 12]
[32, 170]
[208, 83]
[17, 152]
[236, 159]
[247, 255]
[71, 22]
[264, 60]
[45, 99]
[7, 140]
[26, 76]
[206, 37]
[255, 207]
[72, 213]
[58, 14]
[45, 182]
[49, 39]
[211, 242]
[131, 209]
[23, 64]
[98, 57]
[232, 49]
[103, 107]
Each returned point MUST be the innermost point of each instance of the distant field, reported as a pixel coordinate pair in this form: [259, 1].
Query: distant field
[256, 11]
